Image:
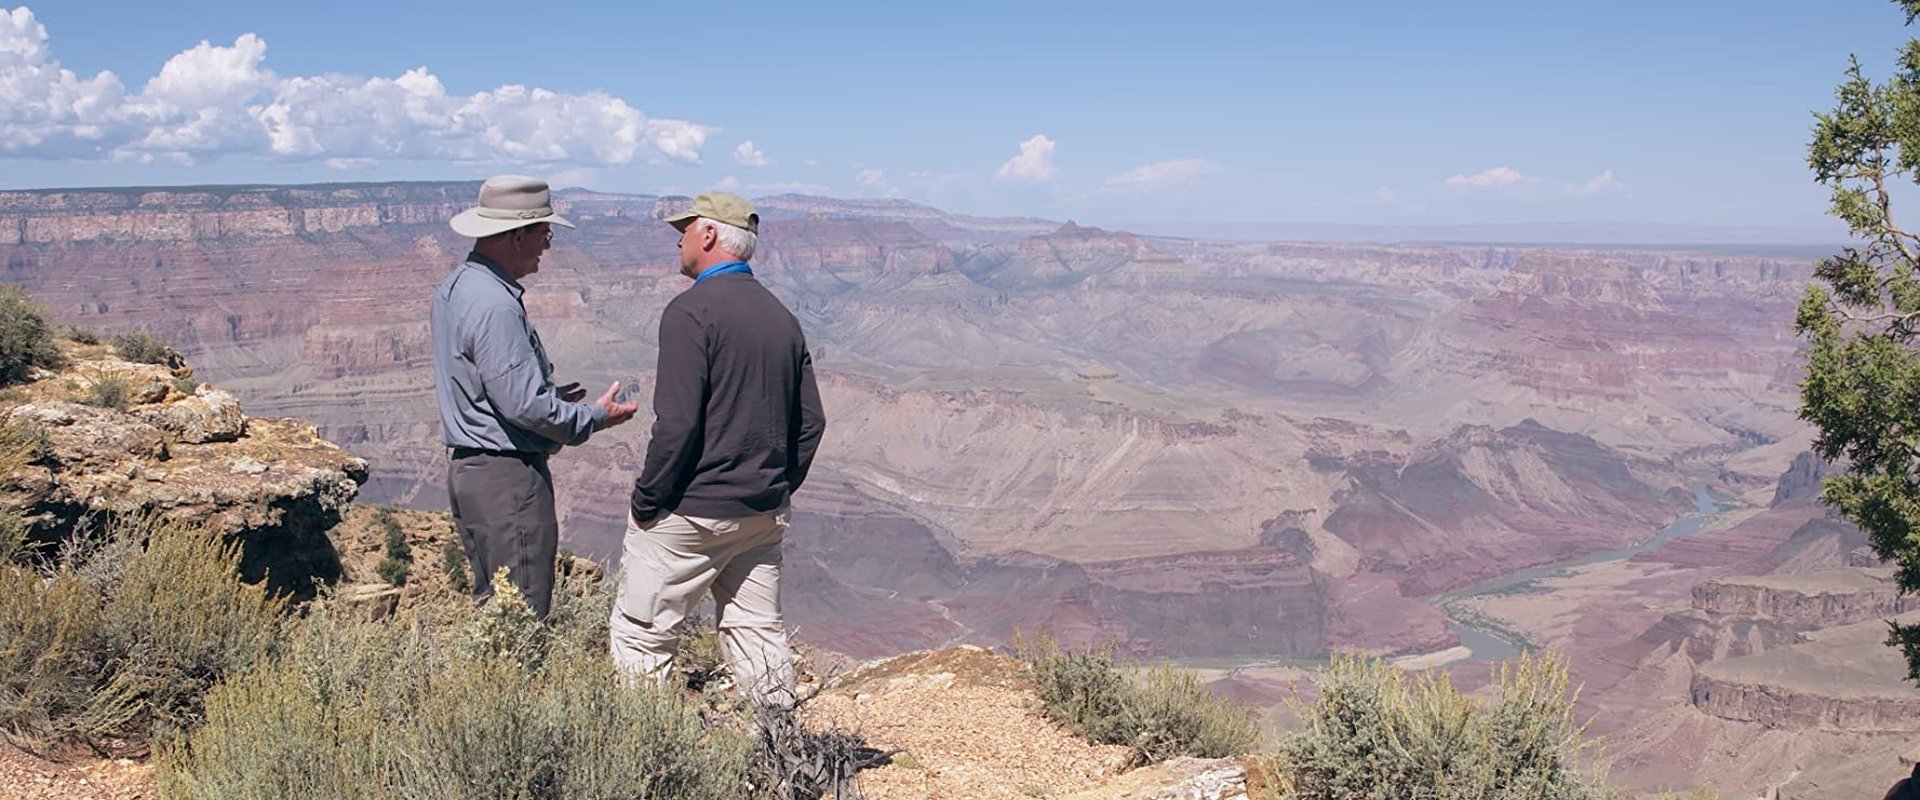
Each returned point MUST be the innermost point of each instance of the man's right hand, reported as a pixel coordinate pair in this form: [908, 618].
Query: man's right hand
[617, 412]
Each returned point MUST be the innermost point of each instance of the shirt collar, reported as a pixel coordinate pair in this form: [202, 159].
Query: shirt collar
[474, 258]
[723, 268]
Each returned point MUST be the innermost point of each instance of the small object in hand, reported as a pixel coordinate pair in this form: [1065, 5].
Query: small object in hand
[629, 389]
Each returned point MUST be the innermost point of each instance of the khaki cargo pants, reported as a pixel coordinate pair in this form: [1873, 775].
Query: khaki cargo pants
[668, 567]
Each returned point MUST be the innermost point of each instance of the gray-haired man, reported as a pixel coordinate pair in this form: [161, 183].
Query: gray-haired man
[500, 411]
[737, 421]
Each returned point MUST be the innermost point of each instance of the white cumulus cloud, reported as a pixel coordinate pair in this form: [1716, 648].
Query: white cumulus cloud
[1493, 178]
[1161, 173]
[212, 100]
[748, 155]
[1601, 184]
[1035, 162]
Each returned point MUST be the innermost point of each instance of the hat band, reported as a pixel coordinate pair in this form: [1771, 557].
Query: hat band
[501, 213]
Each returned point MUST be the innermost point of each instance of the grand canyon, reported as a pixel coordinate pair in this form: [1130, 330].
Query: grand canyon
[1234, 453]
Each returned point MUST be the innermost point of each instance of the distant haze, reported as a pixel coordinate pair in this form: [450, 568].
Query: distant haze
[1550, 233]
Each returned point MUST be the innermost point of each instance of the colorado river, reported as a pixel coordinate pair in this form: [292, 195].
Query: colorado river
[1490, 642]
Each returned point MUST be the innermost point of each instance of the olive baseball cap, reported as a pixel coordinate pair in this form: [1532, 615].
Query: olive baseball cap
[720, 207]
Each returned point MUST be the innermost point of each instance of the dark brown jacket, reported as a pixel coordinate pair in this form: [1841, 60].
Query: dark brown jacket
[1906, 788]
[737, 415]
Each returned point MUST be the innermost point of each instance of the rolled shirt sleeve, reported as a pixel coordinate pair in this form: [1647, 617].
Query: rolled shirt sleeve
[518, 380]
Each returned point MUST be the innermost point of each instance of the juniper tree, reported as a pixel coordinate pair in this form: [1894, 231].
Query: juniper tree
[1862, 391]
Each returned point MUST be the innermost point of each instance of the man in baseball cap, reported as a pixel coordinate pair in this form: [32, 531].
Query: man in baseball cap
[737, 419]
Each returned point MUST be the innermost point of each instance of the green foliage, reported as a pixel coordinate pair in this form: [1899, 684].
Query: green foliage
[81, 335]
[393, 571]
[505, 626]
[399, 557]
[186, 386]
[25, 340]
[123, 638]
[578, 614]
[700, 659]
[13, 539]
[1862, 390]
[1377, 733]
[414, 707]
[108, 390]
[453, 562]
[1085, 690]
[142, 347]
[1162, 714]
[50, 646]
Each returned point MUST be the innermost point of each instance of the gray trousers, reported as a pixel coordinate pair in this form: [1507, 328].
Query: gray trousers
[503, 508]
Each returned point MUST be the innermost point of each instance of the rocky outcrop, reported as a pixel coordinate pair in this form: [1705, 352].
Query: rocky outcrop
[85, 216]
[1738, 616]
[1179, 779]
[1824, 599]
[1841, 679]
[161, 444]
[1801, 481]
[1779, 707]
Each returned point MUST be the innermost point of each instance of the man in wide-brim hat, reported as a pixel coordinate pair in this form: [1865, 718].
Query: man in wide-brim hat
[501, 413]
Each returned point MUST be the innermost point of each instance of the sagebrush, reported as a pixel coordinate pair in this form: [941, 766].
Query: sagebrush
[1162, 713]
[1375, 732]
[108, 390]
[142, 347]
[26, 341]
[122, 637]
[453, 562]
[488, 704]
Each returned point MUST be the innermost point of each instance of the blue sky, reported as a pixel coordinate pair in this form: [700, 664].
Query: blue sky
[1387, 112]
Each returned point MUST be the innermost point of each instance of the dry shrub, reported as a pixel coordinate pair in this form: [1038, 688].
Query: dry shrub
[122, 638]
[108, 391]
[51, 649]
[142, 347]
[26, 341]
[484, 705]
[1375, 732]
[1161, 714]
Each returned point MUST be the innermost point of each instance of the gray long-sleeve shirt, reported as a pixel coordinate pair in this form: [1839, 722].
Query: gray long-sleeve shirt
[492, 376]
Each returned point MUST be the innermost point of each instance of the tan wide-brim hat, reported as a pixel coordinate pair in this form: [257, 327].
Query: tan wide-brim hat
[507, 202]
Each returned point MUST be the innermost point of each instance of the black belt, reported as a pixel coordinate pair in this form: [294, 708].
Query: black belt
[469, 452]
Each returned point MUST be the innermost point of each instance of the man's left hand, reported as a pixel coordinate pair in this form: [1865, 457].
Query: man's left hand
[572, 392]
